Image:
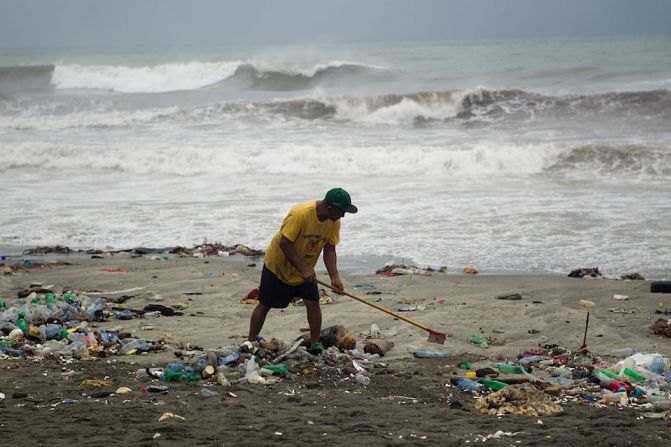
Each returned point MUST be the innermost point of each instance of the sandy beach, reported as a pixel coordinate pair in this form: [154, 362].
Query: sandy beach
[408, 401]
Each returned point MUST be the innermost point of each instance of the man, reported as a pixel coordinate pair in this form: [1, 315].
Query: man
[288, 267]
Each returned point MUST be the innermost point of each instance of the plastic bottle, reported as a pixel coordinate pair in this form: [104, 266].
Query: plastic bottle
[530, 359]
[152, 315]
[604, 380]
[252, 371]
[231, 358]
[507, 368]
[51, 331]
[466, 384]
[429, 354]
[633, 375]
[362, 380]
[279, 369]
[609, 373]
[176, 367]
[174, 376]
[479, 340]
[205, 392]
[201, 364]
[493, 385]
[21, 323]
[12, 352]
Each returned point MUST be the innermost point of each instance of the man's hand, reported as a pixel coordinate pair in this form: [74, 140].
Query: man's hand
[337, 285]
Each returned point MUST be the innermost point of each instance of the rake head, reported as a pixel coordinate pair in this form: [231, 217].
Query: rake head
[435, 336]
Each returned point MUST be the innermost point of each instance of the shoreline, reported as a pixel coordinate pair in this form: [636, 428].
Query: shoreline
[347, 264]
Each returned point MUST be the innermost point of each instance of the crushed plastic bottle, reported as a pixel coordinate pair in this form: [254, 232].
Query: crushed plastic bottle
[362, 379]
[466, 384]
[429, 354]
[478, 340]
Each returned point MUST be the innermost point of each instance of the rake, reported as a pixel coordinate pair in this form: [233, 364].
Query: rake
[434, 335]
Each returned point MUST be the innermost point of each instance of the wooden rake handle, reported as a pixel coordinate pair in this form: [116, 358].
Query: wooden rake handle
[380, 308]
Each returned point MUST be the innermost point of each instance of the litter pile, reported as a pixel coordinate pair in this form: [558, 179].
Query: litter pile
[48, 324]
[44, 323]
[539, 381]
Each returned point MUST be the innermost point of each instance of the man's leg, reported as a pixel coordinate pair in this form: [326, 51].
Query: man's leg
[257, 320]
[314, 319]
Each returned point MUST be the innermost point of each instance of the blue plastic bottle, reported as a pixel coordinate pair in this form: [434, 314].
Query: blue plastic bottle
[231, 358]
[429, 354]
[466, 384]
[201, 364]
[175, 367]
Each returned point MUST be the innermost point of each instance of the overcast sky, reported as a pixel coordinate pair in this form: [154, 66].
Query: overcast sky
[124, 23]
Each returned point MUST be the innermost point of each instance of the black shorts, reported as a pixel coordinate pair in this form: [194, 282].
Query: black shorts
[277, 294]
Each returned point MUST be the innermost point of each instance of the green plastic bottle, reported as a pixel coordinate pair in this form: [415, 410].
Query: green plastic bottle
[609, 373]
[175, 376]
[477, 339]
[280, 368]
[493, 385]
[507, 368]
[2, 304]
[50, 298]
[21, 323]
[633, 375]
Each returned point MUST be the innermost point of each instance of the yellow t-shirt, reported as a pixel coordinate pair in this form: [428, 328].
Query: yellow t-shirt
[309, 236]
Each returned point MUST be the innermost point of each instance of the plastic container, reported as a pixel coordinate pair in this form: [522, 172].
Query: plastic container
[530, 359]
[229, 359]
[633, 375]
[507, 368]
[429, 354]
[176, 367]
[493, 385]
[478, 340]
[362, 380]
[466, 384]
[278, 369]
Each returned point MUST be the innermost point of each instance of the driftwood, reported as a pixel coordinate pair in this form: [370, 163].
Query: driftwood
[380, 347]
[336, 336]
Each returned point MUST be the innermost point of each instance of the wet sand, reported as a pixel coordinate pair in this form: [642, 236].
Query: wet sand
[409, 402]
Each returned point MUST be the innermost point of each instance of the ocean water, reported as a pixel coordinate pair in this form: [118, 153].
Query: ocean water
[537, 156]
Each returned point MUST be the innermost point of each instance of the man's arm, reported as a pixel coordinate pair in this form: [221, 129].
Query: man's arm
[290, 253]
[331, 263]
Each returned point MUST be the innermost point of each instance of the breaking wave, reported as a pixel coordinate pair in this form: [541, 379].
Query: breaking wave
[250, 157]
[181, 76]
[492, 105]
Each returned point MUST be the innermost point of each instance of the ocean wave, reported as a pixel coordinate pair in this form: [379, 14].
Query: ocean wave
[484, 159]
[148, 79]
[616, 111]
[184, 76]
[24, 77]
[497, 105]
[631, 159]
[322, 75]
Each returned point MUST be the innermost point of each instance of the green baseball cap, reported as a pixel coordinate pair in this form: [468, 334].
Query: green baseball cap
[340, 198]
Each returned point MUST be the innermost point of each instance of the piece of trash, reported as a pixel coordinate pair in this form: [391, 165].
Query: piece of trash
[585, 273]
[471, 270]
[587, 304]
[620, 297]
[205, 392]
[510, 297]
[409, 308]
[123, 390]
[169, 415]
[478, 340]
